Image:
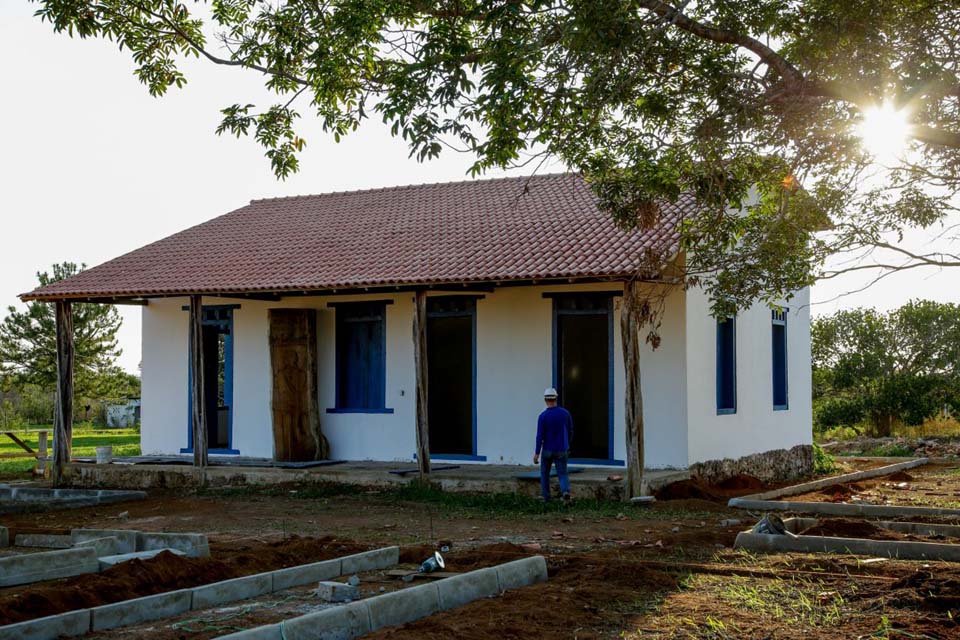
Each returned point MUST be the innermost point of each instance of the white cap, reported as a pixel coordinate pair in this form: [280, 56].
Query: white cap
[549, 393]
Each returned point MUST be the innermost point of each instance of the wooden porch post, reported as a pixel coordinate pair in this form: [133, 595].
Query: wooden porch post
[420, 362]
[63, 409]
[198, 415]
[629, 333]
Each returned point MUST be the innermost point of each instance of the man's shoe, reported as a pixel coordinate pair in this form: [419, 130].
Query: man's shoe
[567, 497]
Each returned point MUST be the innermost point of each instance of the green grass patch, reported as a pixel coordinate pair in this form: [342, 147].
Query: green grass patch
[462, 505]
[86, 439]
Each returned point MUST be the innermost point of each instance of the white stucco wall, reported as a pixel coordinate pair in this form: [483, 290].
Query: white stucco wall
[514, 364]
[755, 427]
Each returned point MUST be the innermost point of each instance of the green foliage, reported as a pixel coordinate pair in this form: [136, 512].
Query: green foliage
[892, 450]
[886, 368]
[28, 342]
[823, 462]
[838, 433]
[742, 105]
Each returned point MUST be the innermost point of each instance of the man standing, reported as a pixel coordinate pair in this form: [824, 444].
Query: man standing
[554, 435]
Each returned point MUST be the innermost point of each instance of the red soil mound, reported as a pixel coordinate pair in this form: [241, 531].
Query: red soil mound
[696, 489]
[164, 572]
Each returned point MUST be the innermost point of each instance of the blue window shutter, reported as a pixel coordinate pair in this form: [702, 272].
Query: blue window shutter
[361, 356]
[726, 366]
[779, 348]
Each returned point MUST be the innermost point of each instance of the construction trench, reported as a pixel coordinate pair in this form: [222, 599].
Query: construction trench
[185, 586]
[337, 608]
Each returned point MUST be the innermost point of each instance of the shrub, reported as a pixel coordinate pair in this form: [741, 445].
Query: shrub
[838, 433]
[823, 462]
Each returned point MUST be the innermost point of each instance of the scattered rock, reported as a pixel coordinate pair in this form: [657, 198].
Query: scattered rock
[731, 522]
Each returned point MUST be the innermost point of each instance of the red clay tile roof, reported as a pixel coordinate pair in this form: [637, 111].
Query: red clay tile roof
[540, 228]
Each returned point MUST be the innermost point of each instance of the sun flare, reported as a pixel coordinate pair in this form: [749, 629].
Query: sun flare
[885, 132]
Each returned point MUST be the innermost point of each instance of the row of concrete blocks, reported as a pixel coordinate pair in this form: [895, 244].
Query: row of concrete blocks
[92, 550]
[400, 607]
[37, 494]
[164, 605]
[899, 549]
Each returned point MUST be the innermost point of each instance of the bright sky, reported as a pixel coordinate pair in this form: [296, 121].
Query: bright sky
[91, 166]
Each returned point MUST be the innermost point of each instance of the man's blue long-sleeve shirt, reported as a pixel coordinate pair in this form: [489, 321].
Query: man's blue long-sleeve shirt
[554, 429]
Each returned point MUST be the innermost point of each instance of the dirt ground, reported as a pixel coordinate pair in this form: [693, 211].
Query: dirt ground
[932, 485]
[616, 571]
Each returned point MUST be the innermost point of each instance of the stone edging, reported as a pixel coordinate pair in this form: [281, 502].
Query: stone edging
[403, 606]
[822, 483]
[171, 603]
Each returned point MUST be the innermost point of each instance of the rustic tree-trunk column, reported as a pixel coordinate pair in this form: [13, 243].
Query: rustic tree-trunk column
[63, 411]
[198, 414]
[420, 362]
[630, 316]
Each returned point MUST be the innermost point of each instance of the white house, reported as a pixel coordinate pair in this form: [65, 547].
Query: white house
[308, 302]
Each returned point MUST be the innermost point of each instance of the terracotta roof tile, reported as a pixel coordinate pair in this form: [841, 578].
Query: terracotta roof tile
[544, 227]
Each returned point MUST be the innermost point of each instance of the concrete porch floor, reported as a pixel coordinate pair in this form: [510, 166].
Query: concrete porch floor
[590, 482]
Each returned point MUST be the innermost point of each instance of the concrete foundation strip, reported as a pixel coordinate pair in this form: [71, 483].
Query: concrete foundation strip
[841, 508]
[47, 565]
[163, 605]
[400, 607]
[823, 483]
[903, 550]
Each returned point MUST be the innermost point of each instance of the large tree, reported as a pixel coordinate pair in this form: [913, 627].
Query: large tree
[28, 343]
[900, 366]
[724, 99]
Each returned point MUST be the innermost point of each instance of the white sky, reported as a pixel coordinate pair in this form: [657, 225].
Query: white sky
[91, 166]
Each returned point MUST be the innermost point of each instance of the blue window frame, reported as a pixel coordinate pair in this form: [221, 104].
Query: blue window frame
[726, 366]
[217, 323]
[779, 338]
[361, 358]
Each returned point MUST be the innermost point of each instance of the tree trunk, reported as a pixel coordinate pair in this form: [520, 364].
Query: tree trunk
[198, 416]
[630, 333]
[420, 362]
[295, 407]
[63, 409]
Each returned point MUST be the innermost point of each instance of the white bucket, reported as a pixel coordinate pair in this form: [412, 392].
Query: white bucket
[104, 455]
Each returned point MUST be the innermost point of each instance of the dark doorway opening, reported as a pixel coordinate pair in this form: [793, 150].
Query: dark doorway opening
[451, 375]
[583, 371]
[217, 380]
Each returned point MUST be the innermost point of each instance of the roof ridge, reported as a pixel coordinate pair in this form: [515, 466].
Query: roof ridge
[420, 185]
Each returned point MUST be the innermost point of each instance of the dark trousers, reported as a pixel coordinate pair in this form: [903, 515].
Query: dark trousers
[558, 458]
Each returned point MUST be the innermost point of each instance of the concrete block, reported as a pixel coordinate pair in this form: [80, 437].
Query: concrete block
[210, 595]
[331, 591]
[108, 561]
[370, 560]
[266, 632]
[906, 550]
[72, 623]
[401, 607]
[43, 540]
[126, 539]
[102, 546]
[47, 565]
[195, 545]
[305, 574]
[459, 590]
[336, 623]
[161, 605]
[4, 537]
[522, 573]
